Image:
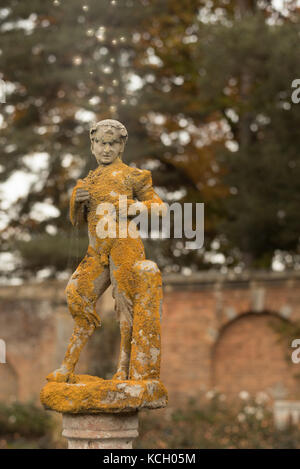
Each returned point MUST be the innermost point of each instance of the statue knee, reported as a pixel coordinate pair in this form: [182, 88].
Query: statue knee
[74, 299]
[146, 266]
[82, 308]
[71, 291]
[84, 329]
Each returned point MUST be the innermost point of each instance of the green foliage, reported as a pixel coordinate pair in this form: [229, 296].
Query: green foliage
[212, 423]
[25, 421]
[205, 68]
[62, 251]
[208, 423]
[264, 172]
[236, 72]
[287, 332]
[57, 68]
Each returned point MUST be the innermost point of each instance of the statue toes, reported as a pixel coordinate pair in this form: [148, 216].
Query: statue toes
[120, 375]
[61, 375]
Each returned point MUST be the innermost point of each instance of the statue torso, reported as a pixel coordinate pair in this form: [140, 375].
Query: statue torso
[106, 184]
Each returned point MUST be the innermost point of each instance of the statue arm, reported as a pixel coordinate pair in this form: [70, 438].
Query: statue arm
[77, 210]
[144, 192]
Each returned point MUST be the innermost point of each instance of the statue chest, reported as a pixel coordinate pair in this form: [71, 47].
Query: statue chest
[108, 187]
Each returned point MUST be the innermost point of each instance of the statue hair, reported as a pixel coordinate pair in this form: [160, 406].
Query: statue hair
[110, 123]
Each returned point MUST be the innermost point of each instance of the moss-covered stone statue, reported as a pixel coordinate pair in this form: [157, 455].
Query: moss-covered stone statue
[137, 287]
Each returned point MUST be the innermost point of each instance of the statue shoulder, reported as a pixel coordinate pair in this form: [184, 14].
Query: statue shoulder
[141, 179]
[82, 181]
[140, 173]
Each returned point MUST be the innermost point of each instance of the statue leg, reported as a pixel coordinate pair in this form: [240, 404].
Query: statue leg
[123, 255]
[137, 285]
[146, 343]
[123, 308]
[87, 283]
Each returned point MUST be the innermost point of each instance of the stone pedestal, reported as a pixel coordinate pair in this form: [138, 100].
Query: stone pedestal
[100, 431]
[93, 395]
[102, 414]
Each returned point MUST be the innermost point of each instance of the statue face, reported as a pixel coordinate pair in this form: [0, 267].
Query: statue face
[107, 145]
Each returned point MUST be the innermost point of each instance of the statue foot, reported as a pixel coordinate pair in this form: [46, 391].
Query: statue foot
[120, 375]
[62, 375]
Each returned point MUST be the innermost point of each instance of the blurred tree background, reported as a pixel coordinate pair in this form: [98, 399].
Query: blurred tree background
[204, 88]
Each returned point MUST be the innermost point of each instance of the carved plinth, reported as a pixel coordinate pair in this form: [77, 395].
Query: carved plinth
[100, 431]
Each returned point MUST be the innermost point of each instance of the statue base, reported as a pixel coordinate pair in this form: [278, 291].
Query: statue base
[100, 431]
[99, 413]
[91, 394]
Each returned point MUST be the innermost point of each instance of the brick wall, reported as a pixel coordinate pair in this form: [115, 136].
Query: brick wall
[228, 334]
[35, 324]
[217, 332]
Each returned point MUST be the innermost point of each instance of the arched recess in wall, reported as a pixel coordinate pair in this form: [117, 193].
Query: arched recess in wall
[8, 382]
[252, 355]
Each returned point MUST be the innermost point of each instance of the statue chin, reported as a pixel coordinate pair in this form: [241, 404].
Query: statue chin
[105, 161]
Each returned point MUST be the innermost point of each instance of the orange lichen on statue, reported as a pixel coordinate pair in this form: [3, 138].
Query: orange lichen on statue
[92, 395]
[114, 259]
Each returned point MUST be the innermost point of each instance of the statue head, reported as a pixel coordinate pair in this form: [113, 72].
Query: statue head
[108, 140]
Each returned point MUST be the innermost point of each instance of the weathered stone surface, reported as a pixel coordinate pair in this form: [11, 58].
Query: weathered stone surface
[100, 431]
[91, 394]
[105, 199]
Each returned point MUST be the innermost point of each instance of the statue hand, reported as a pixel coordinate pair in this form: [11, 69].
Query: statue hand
[82, 195]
